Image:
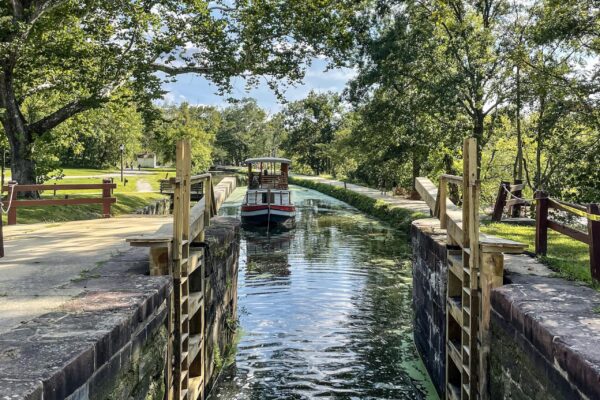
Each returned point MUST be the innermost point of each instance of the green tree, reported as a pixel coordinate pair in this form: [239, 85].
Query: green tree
[240, 134]
[311, 125]
[86, 50]
[197, 123]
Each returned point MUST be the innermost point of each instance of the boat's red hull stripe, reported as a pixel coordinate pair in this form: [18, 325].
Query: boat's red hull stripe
[265, 207]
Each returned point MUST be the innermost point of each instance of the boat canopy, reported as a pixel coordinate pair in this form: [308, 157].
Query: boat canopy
[268, 160]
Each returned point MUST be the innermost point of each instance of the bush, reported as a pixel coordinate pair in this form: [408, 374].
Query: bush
[397, 217]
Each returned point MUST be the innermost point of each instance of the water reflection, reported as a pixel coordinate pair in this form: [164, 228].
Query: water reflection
[325, 309]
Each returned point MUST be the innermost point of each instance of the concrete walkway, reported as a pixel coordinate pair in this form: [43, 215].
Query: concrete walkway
[42, 259]
[394, 201]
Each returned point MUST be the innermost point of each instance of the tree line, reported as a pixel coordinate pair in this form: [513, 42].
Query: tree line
[77, 79]
[521, 77]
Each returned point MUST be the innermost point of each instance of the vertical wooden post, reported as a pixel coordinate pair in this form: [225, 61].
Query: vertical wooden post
[12, 212]
[207, 201]
[466, 198]
[491, 277]
[516, 209]
[105, 198]
[541, 223]
[1, 238]
[500, 201]
[474, 263]
[442, 195]
[594, 234]
[474, 203]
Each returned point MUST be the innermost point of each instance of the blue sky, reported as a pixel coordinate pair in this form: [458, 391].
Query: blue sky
[197, 90]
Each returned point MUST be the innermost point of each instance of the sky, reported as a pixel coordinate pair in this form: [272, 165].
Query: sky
[196, 90]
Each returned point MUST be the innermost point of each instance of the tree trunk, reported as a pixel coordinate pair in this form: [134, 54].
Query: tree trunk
[416, 171]
[478, 119]
[22, 165]
[21, 141]
[518, 172]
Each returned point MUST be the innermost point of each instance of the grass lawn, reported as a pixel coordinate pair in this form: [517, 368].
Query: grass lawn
[129, 197]
[567, 257]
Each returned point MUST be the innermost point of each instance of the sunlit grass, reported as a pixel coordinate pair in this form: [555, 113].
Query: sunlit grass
[567, 257]
[129, 199]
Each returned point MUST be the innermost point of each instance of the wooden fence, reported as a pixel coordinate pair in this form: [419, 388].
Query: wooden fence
[14, 203]
[509, 196]
[591, 237]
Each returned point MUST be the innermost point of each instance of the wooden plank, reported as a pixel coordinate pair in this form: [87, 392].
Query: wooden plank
[196, 387]
[196, 302]
[62, 202]
[541, 223]
[427, 190]
[454, 354]
[514, 202]
[441, 202]
[500, 201]
[594, 237]
[466, 198]
[491, 277]
[517, 191]
[455, 179]
[455, 310]
[568, 231]
[196, 343]
[62, 186]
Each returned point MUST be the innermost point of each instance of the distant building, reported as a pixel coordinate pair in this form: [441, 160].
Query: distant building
[146, 160]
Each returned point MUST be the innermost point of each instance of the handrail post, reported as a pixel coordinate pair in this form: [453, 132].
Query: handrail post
[541, 223]
[207, 201]
[500, 201]
[516, 209]
[594, 233]
[12, 212]
[442, 194]
[106, 198]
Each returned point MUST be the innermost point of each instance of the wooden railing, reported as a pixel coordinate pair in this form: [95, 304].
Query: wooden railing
[591, 237]
[475, 268]
[14, 189]
[509, 196]
[178, 249]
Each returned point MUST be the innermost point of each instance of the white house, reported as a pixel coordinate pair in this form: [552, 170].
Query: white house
[146, 160]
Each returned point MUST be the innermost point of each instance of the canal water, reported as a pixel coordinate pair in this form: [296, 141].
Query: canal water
[324, 309]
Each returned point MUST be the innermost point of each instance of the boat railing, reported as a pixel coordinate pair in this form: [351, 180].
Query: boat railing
[266, 196]
[273, 182]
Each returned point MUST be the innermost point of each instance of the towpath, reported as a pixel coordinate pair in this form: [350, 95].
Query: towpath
[41, 259]
[394, 201]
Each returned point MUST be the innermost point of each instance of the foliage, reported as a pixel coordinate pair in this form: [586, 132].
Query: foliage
[82, 52]
[246, 131]
[197, 123]
[567, 257]
[398, 218]
[520, 77]
[311, 126]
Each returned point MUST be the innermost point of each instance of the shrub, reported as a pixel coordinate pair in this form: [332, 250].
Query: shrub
[397, 217]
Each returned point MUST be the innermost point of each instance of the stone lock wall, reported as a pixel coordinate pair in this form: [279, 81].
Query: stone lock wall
[429, 297]
[545, 340]
[108, 342]
[545, 330]
[223, 239]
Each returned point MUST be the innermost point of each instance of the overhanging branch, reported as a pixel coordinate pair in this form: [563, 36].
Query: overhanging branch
[187, 69]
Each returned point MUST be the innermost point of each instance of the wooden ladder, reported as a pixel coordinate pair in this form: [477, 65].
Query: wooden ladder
[463, 307]
[180, 254]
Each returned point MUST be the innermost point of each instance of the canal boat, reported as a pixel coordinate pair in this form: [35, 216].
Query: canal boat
[268, 200]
